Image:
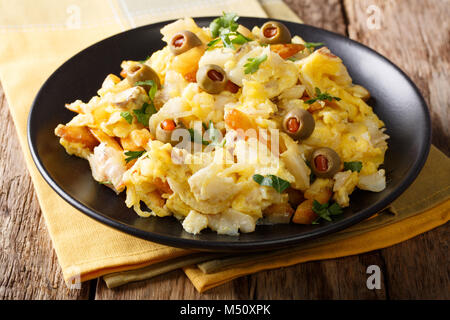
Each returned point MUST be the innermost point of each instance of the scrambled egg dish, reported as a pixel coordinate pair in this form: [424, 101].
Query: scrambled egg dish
[226, 128]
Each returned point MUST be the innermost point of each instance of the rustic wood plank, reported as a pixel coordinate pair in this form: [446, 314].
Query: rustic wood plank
[174, 286]
[343, 278]
[326, 14]
[419, 268]
[28, 264]
[415, 35]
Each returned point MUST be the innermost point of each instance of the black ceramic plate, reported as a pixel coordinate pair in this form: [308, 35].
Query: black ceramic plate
[395, 99]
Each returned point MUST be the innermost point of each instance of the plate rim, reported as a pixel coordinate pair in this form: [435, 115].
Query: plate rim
[252, 245]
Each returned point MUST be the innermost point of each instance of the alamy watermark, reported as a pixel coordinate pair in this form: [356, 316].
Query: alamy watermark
[374, 280]
[373, 21]
[74, 282]
[73, 21]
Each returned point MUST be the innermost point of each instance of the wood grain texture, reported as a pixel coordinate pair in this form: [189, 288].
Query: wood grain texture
[326, 14]
[419, 268]
[415, 35]
[28, 264]
[175, 286]
[343, 278]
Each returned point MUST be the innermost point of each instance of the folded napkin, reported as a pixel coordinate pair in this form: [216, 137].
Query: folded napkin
[424, 206]
[37, 38]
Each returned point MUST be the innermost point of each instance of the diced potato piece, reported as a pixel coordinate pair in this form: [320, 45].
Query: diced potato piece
[136, 140]
[320, 190]
[187, 62]
[286, 50]
[304, 213]
[278, 213]
[81, 135]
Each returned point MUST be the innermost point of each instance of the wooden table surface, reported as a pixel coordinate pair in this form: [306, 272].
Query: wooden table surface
[415, 35]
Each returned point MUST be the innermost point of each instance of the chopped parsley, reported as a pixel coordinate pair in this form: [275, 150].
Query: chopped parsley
[353, 165]
[227, 41]
[143, 115]
[212, 44]
[153, 87]
[326, 211]
[322, 96]
[197, 137]
[272, 181]
[312, 45]
[214, 135]
[253, 64]
[131, 155]
[225, 27]
[240, 38]
[127, 116]
[224, 24]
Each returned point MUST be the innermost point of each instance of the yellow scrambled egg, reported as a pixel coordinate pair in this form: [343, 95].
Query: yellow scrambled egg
[232, 162]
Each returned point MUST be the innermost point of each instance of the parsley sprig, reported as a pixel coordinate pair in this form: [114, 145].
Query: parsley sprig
[225, 28]
[253, 64]
[353, 165]
[131, 155]
[312, 45]
[127, 116]
[272, 181]
[322, 96]
[143, 115]
[153, 87]
[326, 211]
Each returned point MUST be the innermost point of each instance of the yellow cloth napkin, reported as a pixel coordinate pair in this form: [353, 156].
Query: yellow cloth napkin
[38, 37]
[364, 242]
[422, 207]
[35, 39]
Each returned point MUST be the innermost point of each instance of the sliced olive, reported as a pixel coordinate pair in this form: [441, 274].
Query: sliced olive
[273, 32]
[298, 123]
[183, 41]
[325, 162]
[163, 135]
[142, 72]
[211, 78]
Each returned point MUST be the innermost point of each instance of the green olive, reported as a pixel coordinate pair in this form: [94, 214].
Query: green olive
[273, 32]
[325, 162]
[183, 41]
[298, 123]
[211, 78]
[163, 135]
[142, 72]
